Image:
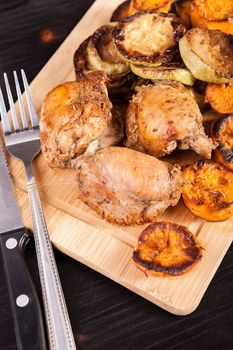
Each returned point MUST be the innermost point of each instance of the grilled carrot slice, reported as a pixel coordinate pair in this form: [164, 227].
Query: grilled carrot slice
[166, 249]
[152, 5]
[198, 19]
[220, 97]
[208, 191]
[222, 132]
[214, 10]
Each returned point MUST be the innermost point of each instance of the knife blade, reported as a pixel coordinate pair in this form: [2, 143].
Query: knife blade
[27, 315]
[10, 218]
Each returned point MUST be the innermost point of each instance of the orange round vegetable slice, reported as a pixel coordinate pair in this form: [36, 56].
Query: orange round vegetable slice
[166, 249]
[149, 5]
[214, 10]
[219, 97]
[208, 191]
[222, 132]
[198, 20]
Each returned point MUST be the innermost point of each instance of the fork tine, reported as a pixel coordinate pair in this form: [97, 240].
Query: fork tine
[11, 103]
[21, 105]
[5, 122]
[32, 111]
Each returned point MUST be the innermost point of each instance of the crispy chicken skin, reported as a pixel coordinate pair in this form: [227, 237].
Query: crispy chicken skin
[164, 116]
[73, 115]
[127, 187]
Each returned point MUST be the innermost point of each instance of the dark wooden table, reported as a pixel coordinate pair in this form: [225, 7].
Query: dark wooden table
[103, 314]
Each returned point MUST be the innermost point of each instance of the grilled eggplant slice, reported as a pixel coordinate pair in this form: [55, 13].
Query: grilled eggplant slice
[102, 54]
[219, 97]
[150, 5]
[166, 249]
[208, 54]
[148, 38]
[121, 12]
[168, 73]
[222, 132]
[208, 191]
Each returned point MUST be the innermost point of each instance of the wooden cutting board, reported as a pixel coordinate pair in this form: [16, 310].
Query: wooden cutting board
[78, 232]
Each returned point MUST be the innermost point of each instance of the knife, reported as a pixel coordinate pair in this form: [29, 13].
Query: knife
[14, 236]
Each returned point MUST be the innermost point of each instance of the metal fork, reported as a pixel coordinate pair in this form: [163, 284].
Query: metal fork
[25, 145]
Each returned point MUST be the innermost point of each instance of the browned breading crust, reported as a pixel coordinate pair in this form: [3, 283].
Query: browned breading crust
[164, 116]
[72, 116]
[127, 187]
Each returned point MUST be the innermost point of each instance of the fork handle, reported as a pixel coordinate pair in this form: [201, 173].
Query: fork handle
[58, 324]
[25, 305]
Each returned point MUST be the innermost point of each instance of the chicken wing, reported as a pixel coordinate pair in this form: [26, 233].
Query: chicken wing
[127, 187]
[164, 116]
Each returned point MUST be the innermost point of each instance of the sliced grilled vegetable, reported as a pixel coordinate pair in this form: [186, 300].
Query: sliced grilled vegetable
[148, 39]
[200, 21]
[183, 10]
[168, 73]
[199, 98]
[80, 60]
[210, 116]
[208, 54]
[222, 132]
[220, 97]
[214, 10]
[102, 53]
[208, 191]
[121, 12]
[166, 249]
[149, 5]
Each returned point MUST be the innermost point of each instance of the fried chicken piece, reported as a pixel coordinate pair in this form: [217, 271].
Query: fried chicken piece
[127, 187]
[164, 116]
[75, 114]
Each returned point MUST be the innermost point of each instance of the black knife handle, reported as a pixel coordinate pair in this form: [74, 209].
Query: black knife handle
[25, 305]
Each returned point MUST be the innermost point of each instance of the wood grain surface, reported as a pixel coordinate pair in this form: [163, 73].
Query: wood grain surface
[103, 314]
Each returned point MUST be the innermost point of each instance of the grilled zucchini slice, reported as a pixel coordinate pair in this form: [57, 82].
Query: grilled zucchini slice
[148, 38]
[208, 54]
[80, 60]
[166, 249]
[208, 190]
[164, 73]
[102, 53]
[222, 133]
[182, 8]
[121, 12]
